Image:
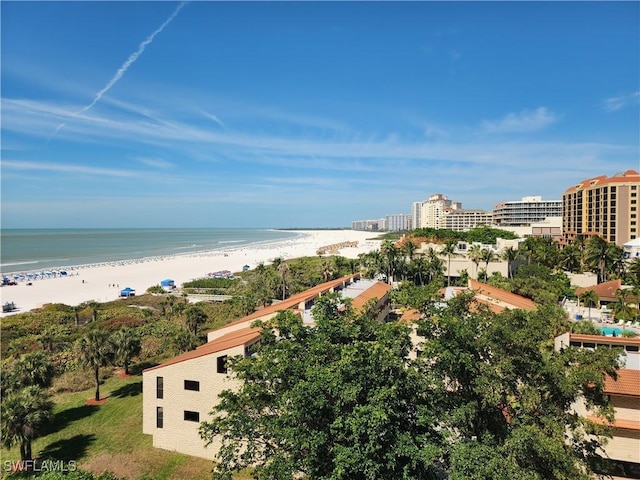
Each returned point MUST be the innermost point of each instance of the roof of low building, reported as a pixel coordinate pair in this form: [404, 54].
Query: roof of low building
[295, 300]
[248, 334]
[627, 383]
[602, 339]
[243, 336]
[604, 290]
[500, 298]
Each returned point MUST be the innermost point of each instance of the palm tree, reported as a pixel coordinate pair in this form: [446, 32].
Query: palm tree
[420, 265]
[23, 415]
[571, 259]
[580, 245]
[483, 276]
[126, 345]
[389, 254]
[589, 299]
[354, 265]
[449, 250]
[436, 264]
[283, 269]
[195, 316]
[30, 369]
[410, 249]
[634, 269]
[487, 257]
[475, 255]
[510, 255]
[95, 351]
[622, 310]
[597, 255]
[325, 270]
[168, 307]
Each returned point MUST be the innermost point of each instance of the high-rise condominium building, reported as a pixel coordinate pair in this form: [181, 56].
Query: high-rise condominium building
[398, 222]
[432, 210]
[524, 212]
[605, 206]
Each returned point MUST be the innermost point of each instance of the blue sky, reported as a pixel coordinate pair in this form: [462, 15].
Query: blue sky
[216, 114]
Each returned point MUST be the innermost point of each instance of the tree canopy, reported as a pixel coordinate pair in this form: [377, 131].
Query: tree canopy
[339, 400]
[485, 396]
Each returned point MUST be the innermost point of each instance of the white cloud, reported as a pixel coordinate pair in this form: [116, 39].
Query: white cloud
[525, 121]
[212, 117]
[155, 162]
[616, 103]
[56, 167]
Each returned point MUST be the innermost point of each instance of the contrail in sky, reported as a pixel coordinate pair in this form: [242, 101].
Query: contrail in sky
[125, 66]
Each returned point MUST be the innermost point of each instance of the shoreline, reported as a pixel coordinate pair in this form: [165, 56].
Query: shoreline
[151, 258]
[103, 281]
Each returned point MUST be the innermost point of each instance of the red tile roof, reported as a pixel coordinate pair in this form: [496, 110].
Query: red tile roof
[602, 339]
[295, 300]
[377, 290]
[244, 336]
[247, 335]
[410, 316]
[630, 176]
[627, 383]
[503, 298]
[605, 290]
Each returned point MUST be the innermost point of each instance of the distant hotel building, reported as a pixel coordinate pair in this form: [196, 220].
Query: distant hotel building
[440, 212]
[368, 225]
[461, 220]
[391, 223]
[397, 223]
[434, 209]
[605, 206]
[525, 212]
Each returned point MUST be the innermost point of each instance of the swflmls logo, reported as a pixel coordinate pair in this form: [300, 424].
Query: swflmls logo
[39, 466]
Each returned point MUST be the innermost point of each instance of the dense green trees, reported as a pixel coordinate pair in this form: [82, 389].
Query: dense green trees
[335, 401]
[507, 393]
[486, 398]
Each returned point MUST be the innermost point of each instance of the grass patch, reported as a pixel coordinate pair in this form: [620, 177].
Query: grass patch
[109, 437]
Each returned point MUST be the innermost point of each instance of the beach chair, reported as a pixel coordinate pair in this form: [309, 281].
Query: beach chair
[628, 324]
[636, 325]
[620, 322]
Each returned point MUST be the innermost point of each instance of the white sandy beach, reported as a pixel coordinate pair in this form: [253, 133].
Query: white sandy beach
[103, 282]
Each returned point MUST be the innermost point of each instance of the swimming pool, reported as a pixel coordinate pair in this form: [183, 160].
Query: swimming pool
[611, 331]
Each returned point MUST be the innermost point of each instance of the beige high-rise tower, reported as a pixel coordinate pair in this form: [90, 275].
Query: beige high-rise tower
[605, 206]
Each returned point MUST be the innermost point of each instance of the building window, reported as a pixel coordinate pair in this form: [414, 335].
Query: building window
[190, 416]
[192, 385]
[159, 387]
[159, 417]
[222, 364]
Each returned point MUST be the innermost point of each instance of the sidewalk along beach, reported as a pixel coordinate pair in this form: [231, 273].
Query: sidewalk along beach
[103, 282]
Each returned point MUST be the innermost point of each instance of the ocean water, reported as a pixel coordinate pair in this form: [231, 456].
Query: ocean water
[23, 250]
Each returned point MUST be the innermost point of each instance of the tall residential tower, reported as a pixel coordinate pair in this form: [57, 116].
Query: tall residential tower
[605, 206]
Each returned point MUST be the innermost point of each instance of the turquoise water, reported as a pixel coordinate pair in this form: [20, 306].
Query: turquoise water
[611, 331]
[41, 249]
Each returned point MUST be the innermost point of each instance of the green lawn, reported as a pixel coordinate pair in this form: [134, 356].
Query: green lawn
[109, 436]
